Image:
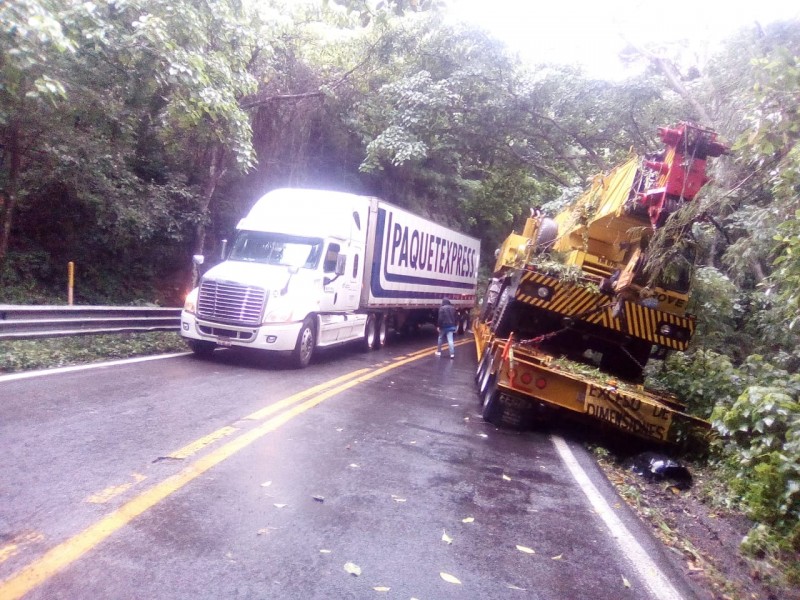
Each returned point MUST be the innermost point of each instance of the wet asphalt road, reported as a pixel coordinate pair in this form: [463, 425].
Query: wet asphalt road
[184, 478]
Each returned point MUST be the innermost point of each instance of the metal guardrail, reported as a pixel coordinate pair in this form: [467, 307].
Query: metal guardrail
[31, 322]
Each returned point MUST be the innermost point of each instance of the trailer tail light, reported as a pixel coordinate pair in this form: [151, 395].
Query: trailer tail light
[541, 383]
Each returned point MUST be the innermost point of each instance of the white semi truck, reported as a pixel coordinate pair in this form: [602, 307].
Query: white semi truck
[313, 268]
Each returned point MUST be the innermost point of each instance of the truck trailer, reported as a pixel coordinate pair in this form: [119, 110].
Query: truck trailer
[315, 268]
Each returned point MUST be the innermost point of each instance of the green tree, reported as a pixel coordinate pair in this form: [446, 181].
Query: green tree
[31, 44]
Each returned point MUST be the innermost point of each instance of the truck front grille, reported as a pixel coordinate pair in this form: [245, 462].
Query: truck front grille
[232, 303]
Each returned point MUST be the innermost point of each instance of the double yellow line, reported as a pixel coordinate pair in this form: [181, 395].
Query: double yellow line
[59, 557]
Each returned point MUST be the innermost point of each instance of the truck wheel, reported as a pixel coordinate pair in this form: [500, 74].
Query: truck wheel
[306, 342]
[380, 334]
[504, 318]
[627, 362]
[486, 380]
[463, 324]
[483, 364]
[368, 341]
[202, 348]
[491, 410]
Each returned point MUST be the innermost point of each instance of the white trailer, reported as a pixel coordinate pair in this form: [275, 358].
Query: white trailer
[314, 268]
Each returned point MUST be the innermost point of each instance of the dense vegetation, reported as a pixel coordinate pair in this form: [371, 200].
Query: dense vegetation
[134, 133]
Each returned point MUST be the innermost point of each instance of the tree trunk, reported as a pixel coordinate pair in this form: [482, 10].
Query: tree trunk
[671, 73]
[758, 270]
[214, 159]
[8, 197]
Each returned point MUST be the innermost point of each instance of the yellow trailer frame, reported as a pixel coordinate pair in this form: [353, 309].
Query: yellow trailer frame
[514, 379]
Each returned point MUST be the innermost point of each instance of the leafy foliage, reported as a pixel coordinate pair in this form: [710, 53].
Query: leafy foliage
[761, 448]
[755, 412]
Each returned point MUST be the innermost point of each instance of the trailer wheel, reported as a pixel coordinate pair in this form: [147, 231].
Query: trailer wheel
[486, 380]
[491, 410]
[504, 318]
[201, 348]
[380, 333]
[463, 323]
[306, 342]
[628, 361]
[483, 364]
[368, 341]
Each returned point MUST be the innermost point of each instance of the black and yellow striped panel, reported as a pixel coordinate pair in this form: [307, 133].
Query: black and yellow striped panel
[595, 308]
[644, 323]
[568, 300]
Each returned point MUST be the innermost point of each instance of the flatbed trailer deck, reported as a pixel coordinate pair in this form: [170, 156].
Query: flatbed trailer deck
[516, 381]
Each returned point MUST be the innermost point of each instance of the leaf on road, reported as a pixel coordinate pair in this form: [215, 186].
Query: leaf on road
[352, 568]
[319, 498]
[468, 520]
[381, 588]
[559, 557]
[340, 429]
[449, 578]
[324, 551]
[525, 549]
[266, 484]
[446, 538]
[398, 498]
[511, 586]
[625, 582]
[483, 435]
[353, 466]
[413, 442]
[506, 477]
[280, 505]
[466, 418]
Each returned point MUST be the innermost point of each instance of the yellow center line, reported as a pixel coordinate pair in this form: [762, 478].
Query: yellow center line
[195, 447]
[286, 402]
[59, 557]
[13, 548]
[115, 490]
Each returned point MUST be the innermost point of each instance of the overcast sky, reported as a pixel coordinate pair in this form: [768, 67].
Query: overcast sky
[592, 33]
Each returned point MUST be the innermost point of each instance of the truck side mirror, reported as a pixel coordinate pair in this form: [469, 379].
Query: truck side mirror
[198, 259]
[341, 263]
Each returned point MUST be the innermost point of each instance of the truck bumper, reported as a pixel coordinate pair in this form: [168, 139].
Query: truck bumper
[280, 337]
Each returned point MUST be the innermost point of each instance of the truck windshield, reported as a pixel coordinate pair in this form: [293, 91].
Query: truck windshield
[277, 249]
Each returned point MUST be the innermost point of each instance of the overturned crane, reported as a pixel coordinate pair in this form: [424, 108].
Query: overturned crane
[544, 321]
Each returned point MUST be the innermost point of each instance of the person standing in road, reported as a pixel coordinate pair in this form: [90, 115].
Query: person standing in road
[446, 326]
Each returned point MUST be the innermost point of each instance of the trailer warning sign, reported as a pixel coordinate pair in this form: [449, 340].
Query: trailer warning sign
[629, 413]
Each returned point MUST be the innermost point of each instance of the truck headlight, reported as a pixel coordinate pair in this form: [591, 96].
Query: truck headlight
[665, 329]
[279, 314]
[190, 304]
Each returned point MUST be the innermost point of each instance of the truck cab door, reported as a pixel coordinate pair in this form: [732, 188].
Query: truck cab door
[353, 276]
[333, 326]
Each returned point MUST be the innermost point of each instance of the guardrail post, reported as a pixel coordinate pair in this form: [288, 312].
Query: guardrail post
[70, 281]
